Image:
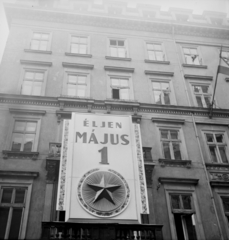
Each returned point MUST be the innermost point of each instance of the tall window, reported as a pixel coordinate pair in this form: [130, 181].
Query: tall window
[191, 56]
[23, 137]
[155, 52]
[217, 146]
[79, 45]
[171, 144]
[202, 95]
[161, 92]
[32, 83]
[120, 88]
[40, 41]
[225, 201]
[183, 213]
[12, 206]
[117, 48]
[77, 85]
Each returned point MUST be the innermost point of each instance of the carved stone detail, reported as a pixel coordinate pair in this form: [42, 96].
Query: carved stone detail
[175, 163]
[52, 167]
[220, 176]
[149, 172]
[20, 155]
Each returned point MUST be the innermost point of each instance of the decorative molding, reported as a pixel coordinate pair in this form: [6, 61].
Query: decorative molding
[149, 173]
[54, 150]
[207, 122]
[77, 65]
[136, 118]
[27, 111]
[147, 154]
[18, 174]
[20, 155]
[78, 55]
[121, 69]
[159, 73]
[52, 168]
[37, 63]
[175, 163]
[168, 120]
[37, 51]
[157, 62]
[222, 176]
[117, 58]
[194, 66]
[217, 166]
[198, 77]
[174, 180]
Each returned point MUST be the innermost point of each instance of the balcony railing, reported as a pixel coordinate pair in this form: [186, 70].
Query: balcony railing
[99, 231]
[54, 149]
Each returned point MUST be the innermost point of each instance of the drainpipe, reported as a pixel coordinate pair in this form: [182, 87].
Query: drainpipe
[197, 136]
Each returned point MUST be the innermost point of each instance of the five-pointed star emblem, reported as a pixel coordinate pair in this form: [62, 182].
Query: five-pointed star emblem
[104, 191]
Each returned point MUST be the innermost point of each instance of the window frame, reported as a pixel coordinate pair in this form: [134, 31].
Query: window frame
[119, 76]
[24, 183]
[76, 73]
[32, 69]
[175, 189]
[40, 31]
[162, 50]
[166, 80]
[127, 55]
[183, 149]
[215, 131]
[15, 118]
[197, 48]
[201, 83]
[79, 35]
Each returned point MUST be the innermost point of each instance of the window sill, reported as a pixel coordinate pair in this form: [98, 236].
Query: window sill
[194, 66]
[157, 62]
[37, 51]
[217, 166]
[117, 58]
[174, 163]
[22, 155]
[78, 55]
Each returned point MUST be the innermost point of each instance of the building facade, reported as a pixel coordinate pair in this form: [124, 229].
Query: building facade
[116, 59]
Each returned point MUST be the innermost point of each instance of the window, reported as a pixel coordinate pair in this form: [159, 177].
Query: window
[225, 201]
[155, 52]
[171, 144]
[217, 146]
[33, 82]
[77, 85]
[120, 88]
[161, 92]
[24, 134]
[202, 94]
[191, 56]
[182, 17]
[40, 41]
[184, 218]
[79, 44]
[216, 21]
[225, 56]
[117, 48]
[12, 207]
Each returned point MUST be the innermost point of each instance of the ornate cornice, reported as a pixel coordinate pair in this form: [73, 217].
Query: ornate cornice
[168, 120]
[19, 174]
[20, 155]
[78, 65]
[122, 69]
[175, 163]
[53, 15]
[171, 180]
[159, 73]
[198, 77]
[27, 111]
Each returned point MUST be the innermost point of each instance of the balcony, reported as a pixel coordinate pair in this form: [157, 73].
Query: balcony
[98, 231]
[54, 150]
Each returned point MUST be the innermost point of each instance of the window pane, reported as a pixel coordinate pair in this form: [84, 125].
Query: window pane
[179, 227]
[186, 50]
[4, 212]
[166, 98]
[36, 89]
[165, 86]
[207, 101]
[29, 75]
[39, 76]
[166, 150]
[83, 40]
[159, 56]
[219, 138]
[113, 42]
[164, 134]
[113, 52]
[150, 46]
[199, 101]
[74, 48]
[72, 79]
[226, 204]
[6, 195]
[81, 90]
[19, 195]
[34, 44]
[121, 43]
[157, 97]
[115, 94]
[37, 35]
[81, 79]
[31, 127]
[19, 126]
[17, 142]
[124, 93]
[115, 82]
[197, 89]
[152, 55]
[82, 49]
[45, 36]
[43, 45]
[123, 82]
[186, 201]
[75, 39]
[223, 154]
[175, 200]
[121, 52]
[28, 142]
[190, 225]
[15, 223]
[205, 89]
[174, 134]
[196, 60]
[27, 87]
[213, 154]
[157, 47]
[71, 90]
[193, 51]
[188, 59]
[156, 85]
[209, 137]
[176, 151]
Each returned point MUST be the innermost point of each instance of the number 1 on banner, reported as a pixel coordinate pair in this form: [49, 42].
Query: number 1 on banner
[104, 158]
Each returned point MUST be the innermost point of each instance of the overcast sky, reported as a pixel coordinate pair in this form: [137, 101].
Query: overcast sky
[198, 7]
